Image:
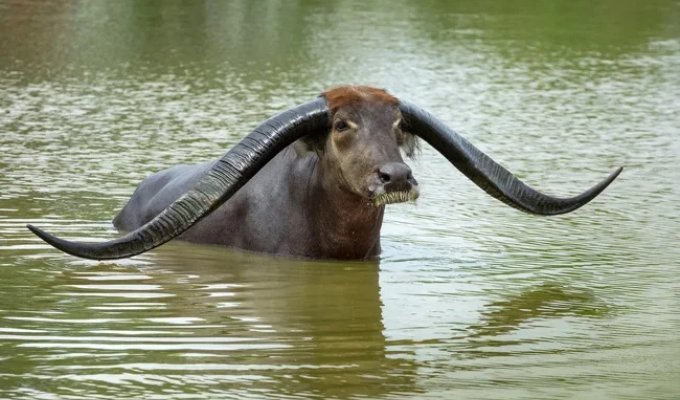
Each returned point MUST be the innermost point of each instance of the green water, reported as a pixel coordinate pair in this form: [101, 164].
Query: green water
[470, 300]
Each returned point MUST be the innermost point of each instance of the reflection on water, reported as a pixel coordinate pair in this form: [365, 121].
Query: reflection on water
[470, 300]
[545, 301]
[219, 319]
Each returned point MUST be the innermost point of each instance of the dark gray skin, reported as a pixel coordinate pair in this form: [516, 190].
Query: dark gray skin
[323, 197]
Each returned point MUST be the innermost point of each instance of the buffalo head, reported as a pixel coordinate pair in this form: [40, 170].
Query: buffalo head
[364, 145]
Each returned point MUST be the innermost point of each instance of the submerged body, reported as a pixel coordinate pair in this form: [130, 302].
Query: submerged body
[284, 209]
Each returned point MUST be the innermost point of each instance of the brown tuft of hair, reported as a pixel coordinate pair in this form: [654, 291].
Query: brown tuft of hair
[342, 96]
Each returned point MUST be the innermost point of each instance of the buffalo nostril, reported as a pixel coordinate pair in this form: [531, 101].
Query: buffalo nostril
[394, 173]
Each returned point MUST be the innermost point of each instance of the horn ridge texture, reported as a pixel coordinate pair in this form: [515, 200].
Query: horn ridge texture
[228, 175]
[488, 174]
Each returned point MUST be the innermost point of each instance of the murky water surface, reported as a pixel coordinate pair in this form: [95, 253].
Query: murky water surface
[471, 299]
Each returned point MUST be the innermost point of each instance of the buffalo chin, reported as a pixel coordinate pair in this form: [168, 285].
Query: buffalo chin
[394, 197]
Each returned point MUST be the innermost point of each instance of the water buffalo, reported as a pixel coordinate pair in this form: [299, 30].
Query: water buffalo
[312, 181]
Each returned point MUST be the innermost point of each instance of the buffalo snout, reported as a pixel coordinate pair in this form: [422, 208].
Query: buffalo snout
[396, 176]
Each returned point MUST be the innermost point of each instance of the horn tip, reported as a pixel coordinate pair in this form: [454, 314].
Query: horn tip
[38, 232]
[614, 175]
[594, 191]
[55, 242]
[50, 239]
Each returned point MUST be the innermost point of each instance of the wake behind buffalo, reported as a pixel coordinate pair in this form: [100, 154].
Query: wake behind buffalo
[312, 182]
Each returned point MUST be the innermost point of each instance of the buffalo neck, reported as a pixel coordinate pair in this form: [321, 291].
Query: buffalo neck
[347, 225]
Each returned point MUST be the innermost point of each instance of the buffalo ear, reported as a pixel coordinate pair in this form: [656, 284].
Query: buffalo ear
[311, 143]
[410, 144]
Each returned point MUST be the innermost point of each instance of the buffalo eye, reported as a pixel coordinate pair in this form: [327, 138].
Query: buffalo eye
[341, 125]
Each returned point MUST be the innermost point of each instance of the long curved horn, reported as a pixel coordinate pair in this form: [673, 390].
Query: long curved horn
[229, 174]
[486, 173]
